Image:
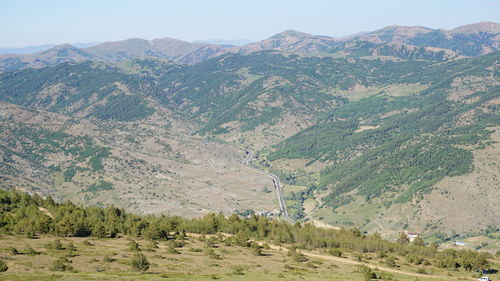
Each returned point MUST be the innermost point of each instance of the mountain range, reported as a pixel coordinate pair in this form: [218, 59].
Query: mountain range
[399, 41]
[391, 130]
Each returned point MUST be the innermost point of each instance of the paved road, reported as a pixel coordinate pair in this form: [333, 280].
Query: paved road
[276, 182]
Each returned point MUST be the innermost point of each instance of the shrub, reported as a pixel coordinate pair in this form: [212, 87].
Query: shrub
[61, 264]
[390, 261]
[256, 249]
[421, 271]
[299, 257]
[13, 251]
[381, 255]
[296, 256]
[335, 252]
[228, 242]
[139, 262]
[71, 247]
[30, 251]
[368, 273]
[418, 242]
[3, 266]
[171, 249]
[210, 243]
[414, 259]
[133, 246]
[175, 244]
[152, 244]
[358, 257]
[212, 255]
[55, 245]
[87, 243]
[108, 259]
[30, 234]
[238, 270]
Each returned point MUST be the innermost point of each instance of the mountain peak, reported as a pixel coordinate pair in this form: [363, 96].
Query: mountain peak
[405, 27]
[485, 26]
[63, 46]
[404, 30]
[291, 33]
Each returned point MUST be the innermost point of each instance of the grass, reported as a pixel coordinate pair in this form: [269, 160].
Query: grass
[108, 259]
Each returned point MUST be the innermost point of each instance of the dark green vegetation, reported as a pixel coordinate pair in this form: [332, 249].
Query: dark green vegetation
[123, 108]
[39, 145]
[417, 147]
[20, 214]
[71, 88]
[103, 185]
[300, 85]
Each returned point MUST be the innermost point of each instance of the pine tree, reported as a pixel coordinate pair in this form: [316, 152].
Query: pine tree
[99, 231]
[418, 242]
[139, 262]
[403, 238]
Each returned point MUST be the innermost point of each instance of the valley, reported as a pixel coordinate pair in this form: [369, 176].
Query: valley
[250, 140]
[395, 130]
[143, 169]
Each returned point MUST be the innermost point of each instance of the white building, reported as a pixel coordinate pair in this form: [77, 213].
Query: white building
[412, 236]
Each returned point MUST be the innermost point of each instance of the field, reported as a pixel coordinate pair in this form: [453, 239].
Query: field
[194, 258]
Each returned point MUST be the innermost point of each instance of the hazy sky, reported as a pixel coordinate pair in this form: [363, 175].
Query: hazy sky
[33, 22]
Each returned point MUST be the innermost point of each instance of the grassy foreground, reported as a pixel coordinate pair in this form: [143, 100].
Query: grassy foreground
[194, 258]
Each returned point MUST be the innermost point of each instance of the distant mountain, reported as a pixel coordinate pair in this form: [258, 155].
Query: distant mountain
[291, 40]
[223, 42]
[135, 48]
[400, 42]
[359, 49]
[470, 40]
[26, 49]
[167, 48]
[56, 55]
[39, 48]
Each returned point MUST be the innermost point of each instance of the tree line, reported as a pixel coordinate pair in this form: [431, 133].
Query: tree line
[21, 213]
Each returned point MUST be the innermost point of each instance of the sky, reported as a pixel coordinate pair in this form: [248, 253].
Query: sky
[36, 22]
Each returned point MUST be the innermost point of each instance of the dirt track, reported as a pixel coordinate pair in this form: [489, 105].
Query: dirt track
[373, 266]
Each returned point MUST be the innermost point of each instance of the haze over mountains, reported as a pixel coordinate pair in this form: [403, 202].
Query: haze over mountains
[396, 129]
[469, 40]
[38, 48]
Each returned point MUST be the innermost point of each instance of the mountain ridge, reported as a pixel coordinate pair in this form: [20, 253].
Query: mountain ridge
[468, 40]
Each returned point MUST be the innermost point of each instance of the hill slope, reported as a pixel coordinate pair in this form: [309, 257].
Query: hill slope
[359, 139]
[390, 150]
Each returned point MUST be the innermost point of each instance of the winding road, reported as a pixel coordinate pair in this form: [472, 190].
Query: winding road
[276, 181]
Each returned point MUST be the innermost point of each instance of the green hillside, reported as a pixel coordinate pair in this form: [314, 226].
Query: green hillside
[416, 147]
